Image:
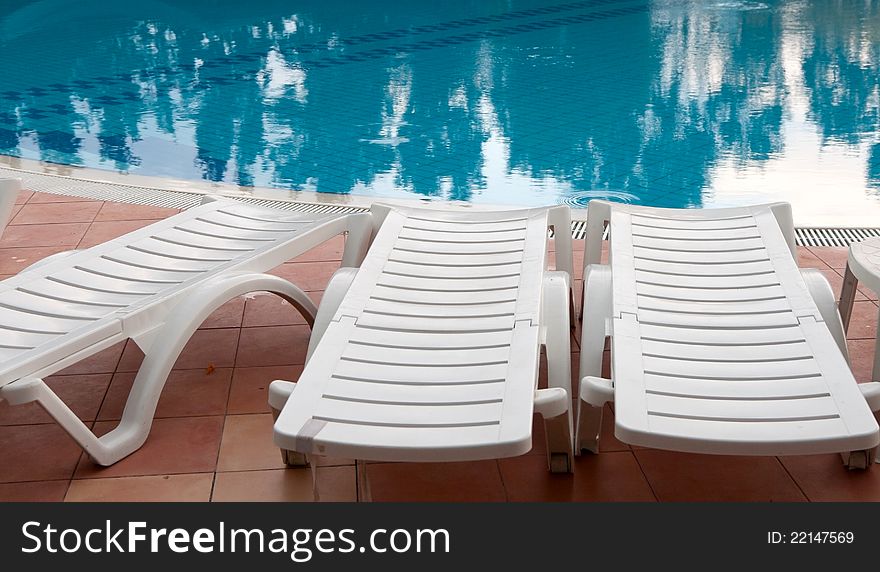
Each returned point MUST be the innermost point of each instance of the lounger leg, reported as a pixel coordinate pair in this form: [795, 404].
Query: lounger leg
[597, 313]
[847, 297]
[859, 460]
[166, 344]
[558, 427]
[363, 484]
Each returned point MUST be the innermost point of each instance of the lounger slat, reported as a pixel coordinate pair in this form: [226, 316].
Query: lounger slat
[451, 272]
[722, 370]
[744, 410]
[689, 282]
[53, 288]
[673, 246]
[736, 256]
[711, 308]
[408, 415]
[423, 323]
[204, 226]
[436, 237]
[438, 395]
[439, 340]
[428, 357]
[740, 352]
[161, 246]
[117, 268]
[16, 299]
[443, 297]
[745, 390]
[445, 311]
[489, 227]
[485, 246]
[39, 323]
[161, 260]
[406, 373]
[212, 242]
[720, 336]
[92, 281]
[464, 285]
[705, 320]
[688, 234]
[503, 258]
[729, 270]
[694, 224]
[730, 294]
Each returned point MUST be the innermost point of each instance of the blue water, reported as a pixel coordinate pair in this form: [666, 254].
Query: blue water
[664, 102]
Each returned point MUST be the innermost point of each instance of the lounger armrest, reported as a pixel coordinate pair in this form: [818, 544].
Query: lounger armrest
[279, 392]
[597, 391]
[871, 392]
[551, 402]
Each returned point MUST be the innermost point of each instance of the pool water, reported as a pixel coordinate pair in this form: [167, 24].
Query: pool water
[670, 103]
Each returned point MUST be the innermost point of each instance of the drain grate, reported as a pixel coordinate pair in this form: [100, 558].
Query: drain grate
[104, 191]
[833, 236]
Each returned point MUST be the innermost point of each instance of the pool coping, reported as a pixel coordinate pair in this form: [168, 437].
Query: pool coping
[98, 184]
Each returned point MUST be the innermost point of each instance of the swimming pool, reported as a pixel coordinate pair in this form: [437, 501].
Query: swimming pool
[663, 103]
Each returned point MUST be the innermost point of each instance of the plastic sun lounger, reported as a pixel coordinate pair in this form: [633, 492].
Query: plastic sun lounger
[154, 285]
[430, 351]
[719, 344]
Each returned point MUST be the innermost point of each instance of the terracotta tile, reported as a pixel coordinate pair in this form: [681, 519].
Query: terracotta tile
[604, 477]
[861, 359]
[175, 445]
[250, 387]
[309, 276]
[104, 361]
[38, 197]
[36, 453]
[14, 260]
[272, 345]
[228, 315]
[335, 484]
[47, 213]
[684, 477]
[213, 347]
[478, 481]
[833, 256]
[247, 444]
[187, 393]
[38, 491]
[824, 478]
[23, 197]
[159, 488]
[329, 251]
[863, 322]
[264, 309]
[82, 393]
[34, 235]
[100, 232]
[123, 211]
[807, 259]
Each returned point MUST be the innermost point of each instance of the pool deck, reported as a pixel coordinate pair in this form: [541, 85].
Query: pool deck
[212, 437]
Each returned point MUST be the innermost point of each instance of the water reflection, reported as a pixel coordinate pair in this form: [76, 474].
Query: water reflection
[668, 103]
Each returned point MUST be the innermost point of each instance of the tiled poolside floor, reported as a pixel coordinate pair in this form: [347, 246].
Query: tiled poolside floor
[212, 436]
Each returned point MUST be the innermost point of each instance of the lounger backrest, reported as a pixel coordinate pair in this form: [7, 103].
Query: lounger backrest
[105, 293]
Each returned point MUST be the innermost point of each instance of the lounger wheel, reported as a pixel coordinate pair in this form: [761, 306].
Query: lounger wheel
[560, 463]
[859, 460]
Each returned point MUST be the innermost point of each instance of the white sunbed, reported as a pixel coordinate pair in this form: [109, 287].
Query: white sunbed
[154, 285]
[719, 344]
[430, 351]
